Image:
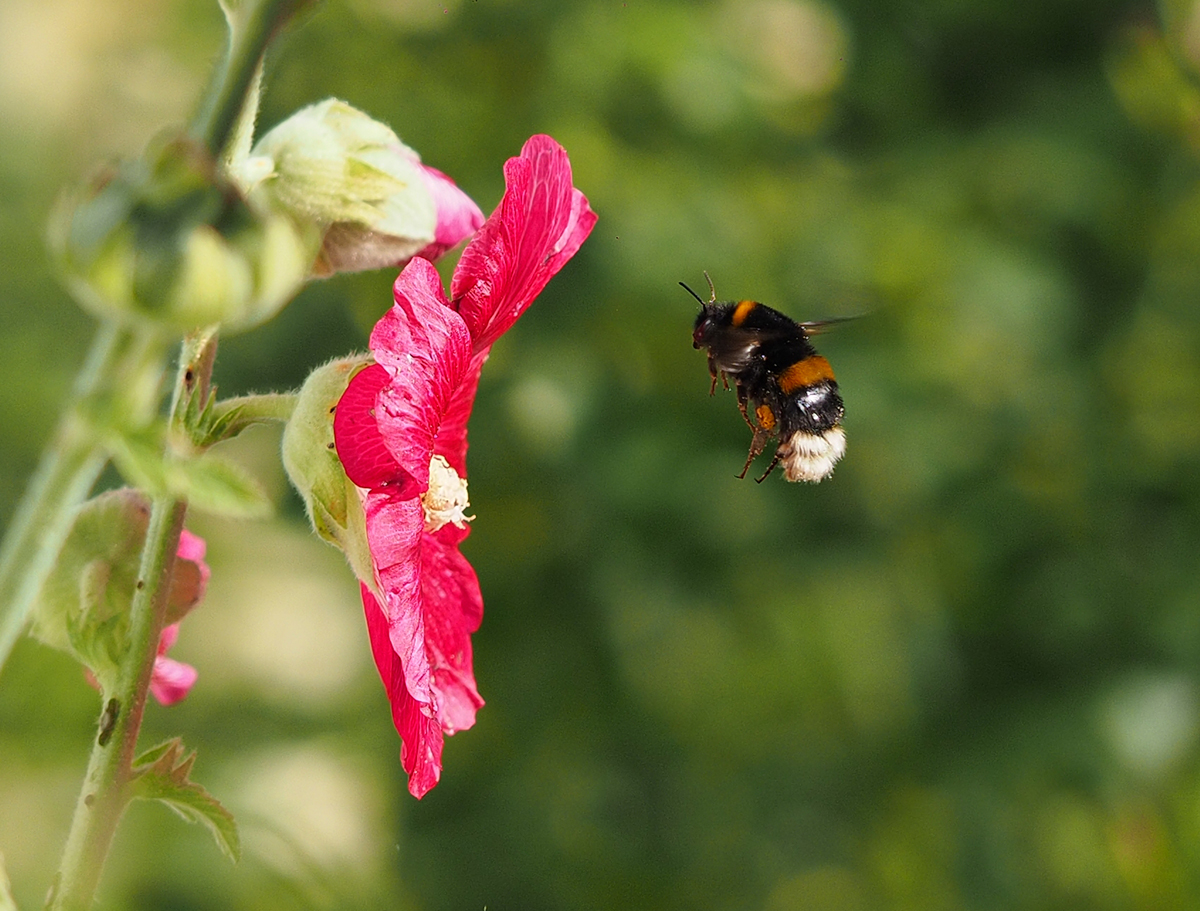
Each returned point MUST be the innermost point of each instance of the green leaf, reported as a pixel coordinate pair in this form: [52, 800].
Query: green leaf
[209, 482]
[218, 485]
[163, 773]
[83, 608]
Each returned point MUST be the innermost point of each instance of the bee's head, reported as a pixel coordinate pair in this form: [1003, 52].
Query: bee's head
[708, 320]
[708, 317]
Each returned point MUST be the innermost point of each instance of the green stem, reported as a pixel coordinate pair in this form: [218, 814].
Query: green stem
[105, 791]
[69, 467]
[231, 416]
[105, 786]
[252, 26]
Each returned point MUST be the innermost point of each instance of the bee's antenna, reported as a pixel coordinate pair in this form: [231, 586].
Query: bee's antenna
[703, 303]
[692, 293]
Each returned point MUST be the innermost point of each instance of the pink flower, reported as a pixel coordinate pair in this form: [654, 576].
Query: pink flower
[401, 433]
[171, 680]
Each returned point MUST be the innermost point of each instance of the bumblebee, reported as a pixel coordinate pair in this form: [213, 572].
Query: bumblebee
[785, 390]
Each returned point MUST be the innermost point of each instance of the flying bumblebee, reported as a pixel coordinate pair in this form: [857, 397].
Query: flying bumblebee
[780, 380]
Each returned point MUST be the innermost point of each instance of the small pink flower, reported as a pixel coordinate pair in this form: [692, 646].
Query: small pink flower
[401, 433]
[171, 680]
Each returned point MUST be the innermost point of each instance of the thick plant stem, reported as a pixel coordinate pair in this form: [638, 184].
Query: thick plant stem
[69, 467]
[104, 795]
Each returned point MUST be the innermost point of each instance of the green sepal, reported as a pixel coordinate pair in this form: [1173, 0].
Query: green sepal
[83, 608]
[221, 421]
[312, 463]
[209, 482]
[164, 773]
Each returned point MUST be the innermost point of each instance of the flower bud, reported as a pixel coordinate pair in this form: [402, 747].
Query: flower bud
[312, 463]
[374, 201]
[168, 240]
[83, 608]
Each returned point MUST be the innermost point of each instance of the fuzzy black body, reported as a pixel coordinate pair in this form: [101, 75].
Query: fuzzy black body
[785, 389]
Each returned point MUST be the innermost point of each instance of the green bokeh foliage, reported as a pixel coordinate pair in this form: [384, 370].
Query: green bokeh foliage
[962, 673]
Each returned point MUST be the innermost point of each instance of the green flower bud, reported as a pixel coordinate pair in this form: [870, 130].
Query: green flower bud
[331, 164]
[168, 240]
[312, 463]
[83, 609]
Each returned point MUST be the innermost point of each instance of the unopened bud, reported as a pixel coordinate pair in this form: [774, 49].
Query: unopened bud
[374, 201]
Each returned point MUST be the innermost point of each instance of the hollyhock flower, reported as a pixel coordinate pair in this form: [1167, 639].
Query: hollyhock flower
[401, 433]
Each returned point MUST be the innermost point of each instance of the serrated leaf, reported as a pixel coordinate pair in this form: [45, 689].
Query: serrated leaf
[164, 774]
[217, 485]
[209, 482]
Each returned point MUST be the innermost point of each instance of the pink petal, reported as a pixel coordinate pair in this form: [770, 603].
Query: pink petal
[452, 436]
[395, 526]
[457, 215]
[538, 226]
[432, 605]
[360, 445]
[166, 639]
[452, 606]
[171, 680]
[193, 548]
[420, 735]
[425, 347]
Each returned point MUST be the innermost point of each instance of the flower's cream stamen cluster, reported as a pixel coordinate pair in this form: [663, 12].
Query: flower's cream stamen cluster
[446, 499]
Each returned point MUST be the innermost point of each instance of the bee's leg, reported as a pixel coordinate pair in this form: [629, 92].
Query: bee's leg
[770, 468]
[757, 445]
[743, 397]
[714, 373]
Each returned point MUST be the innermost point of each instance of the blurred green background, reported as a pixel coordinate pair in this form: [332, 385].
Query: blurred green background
[964, 673]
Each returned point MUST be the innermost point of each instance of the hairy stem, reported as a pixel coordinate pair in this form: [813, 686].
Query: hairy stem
[252, 26]
[105, 794]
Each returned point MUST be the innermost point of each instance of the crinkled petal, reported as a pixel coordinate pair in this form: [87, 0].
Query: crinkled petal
[426, 349]
[457, 215]
[360, 445]
[189, 578]
[421, 735]
[395, 526]
[452, 607]
[451, 441]
[432, 603]
[539, 225]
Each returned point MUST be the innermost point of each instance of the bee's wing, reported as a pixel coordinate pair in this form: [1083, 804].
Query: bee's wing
[819, 326]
